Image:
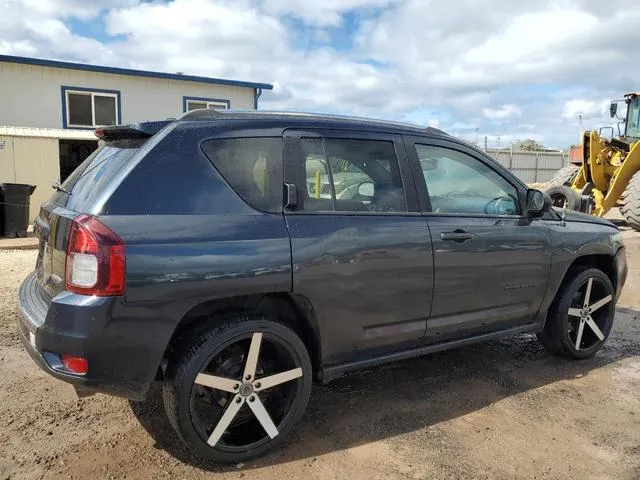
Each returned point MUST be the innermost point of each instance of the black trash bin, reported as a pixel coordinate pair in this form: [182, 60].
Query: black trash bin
[14, 209]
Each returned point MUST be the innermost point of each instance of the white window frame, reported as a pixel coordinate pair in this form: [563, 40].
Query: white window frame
[93, 107]
[209, 104]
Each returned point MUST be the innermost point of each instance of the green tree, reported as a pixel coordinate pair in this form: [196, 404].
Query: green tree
[529, 145]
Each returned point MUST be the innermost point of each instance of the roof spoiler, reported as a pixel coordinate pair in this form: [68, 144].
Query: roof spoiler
[134, 130]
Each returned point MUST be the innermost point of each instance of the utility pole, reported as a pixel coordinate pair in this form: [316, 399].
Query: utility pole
[477, 136]
[581, 127]
[485, 143]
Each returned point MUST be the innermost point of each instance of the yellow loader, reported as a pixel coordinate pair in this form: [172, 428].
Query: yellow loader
[609, 171]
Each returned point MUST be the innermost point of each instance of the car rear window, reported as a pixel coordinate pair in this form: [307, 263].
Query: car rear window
[89, 180]
[253, 168]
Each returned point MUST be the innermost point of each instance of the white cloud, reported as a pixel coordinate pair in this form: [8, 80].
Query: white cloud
[529, 36]
[587, 109]
[507, 68]
[505, 111]
[320, 12]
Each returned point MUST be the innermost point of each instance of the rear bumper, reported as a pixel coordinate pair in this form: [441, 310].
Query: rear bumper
[83, 326]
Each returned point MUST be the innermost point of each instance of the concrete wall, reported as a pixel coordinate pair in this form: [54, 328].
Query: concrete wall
[30, 96]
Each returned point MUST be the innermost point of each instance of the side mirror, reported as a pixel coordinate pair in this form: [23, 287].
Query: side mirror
[613, 109]
[365, 189]
[538, 202]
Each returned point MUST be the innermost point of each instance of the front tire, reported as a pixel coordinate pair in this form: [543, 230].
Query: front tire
[238, 389]
[630, 207]
[581, 317]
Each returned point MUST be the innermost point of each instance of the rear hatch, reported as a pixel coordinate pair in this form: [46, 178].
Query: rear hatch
[82, 192]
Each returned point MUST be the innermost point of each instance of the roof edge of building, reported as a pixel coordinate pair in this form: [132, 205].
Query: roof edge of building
[131, 72]
[36, 132]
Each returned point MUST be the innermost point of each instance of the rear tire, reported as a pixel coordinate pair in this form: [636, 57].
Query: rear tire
[565, 175]
[581, 317]
[237, 388]
[630, 202]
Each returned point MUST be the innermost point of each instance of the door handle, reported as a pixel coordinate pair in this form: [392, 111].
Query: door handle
[456, 236]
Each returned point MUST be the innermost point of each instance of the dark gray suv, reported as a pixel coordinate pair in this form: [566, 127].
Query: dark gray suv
[238, 257]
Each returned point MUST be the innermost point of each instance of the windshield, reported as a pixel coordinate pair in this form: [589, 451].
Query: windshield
[633, 119]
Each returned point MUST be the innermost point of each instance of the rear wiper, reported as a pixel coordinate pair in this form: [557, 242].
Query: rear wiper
[59, 188]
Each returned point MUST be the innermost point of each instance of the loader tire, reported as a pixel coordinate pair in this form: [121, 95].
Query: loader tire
[630, 202]
[564, 197]
[565, 175]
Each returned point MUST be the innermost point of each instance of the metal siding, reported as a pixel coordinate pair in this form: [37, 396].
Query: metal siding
[552, 162]
[131, 72]
[545, 175]
[523, 160]
[530, 167]
[141, 98]
[7, 160]
[526, 175]
[37, 162]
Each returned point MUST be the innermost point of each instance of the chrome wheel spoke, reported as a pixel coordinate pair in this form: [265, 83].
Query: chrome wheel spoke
[277, 379]
[238, 360]
[257, 407]
[575, 312]
[252, 357]
[595, 306]
[226, 419]
[587, 293]
[219, 383]
[595, 328]
[579, 334]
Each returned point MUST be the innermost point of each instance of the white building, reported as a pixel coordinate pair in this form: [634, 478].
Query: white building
[56, 106]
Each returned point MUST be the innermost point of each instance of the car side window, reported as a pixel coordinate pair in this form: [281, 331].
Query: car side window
[318, 193]
[253, 168]
[349, 175]
[459, 183]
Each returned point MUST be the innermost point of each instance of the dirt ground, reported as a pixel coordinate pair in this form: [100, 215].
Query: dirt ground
[504, 409]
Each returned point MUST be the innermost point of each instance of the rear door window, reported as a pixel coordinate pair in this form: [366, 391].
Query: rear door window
[252, 167]
[352, 175]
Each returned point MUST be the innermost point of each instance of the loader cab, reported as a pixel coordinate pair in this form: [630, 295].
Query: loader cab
[631, 120]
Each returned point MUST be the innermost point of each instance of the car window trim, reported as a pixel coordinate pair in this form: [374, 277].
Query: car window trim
[293, 170]
[410, 143]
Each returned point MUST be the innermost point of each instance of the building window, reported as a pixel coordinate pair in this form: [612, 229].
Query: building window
[195, 103]
[90, 108]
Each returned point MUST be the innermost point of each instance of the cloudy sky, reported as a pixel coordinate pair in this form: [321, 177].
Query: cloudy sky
[510, 69]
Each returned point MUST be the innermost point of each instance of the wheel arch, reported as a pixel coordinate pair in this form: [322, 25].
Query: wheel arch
[596, 258]
[294, 310]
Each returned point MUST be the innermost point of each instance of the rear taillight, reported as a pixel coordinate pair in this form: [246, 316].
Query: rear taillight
[78, 365]
[95, 259]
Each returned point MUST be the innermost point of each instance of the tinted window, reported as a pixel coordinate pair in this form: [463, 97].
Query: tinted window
[89, 180]
[460, 183]
[253, 168]
[319, 195]
[352, 175]
[80, 109]
[105, 110]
